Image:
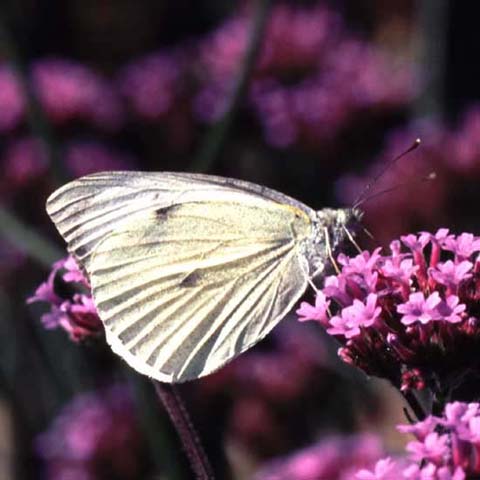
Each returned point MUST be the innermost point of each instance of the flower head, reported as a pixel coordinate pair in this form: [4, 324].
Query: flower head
[67, 290]
[334, 458]
[95, 436]
[412, 316]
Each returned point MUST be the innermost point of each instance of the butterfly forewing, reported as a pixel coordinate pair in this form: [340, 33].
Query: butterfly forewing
[88, 209]
[194, 284]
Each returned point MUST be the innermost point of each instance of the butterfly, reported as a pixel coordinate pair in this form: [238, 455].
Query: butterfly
[189, 270]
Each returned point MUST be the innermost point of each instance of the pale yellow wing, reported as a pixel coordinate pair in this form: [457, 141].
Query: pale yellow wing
[184, 290]
[90, 208]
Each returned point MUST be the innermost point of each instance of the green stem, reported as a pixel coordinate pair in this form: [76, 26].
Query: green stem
[172, 401]
[27, 239]
[215, 140]
[155, 428]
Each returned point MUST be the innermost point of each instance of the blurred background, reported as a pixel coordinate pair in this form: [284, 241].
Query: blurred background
[309, 97]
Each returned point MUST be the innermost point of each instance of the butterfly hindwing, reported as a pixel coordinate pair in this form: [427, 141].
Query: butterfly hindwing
[190, 286]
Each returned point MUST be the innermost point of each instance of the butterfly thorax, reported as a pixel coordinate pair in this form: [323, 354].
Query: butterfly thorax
[331, 227]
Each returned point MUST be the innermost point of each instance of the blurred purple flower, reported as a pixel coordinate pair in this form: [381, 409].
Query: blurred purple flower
[151, 85]
[12, 102]
[24, 161]
[432, 448]
[69, 90]
[335, 458]
[67, 291]
[385, 469]
[95, 436]
[87, 157]
[310, 80]
[410, 327]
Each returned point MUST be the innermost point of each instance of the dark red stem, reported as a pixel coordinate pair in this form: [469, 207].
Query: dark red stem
[172, 401]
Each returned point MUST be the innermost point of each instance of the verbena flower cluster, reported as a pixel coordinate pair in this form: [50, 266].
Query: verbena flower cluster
[67, 292]
[312, 78]
[96, 435]
[446, 447]
[334, 458]
[25, 162]
[411, 316]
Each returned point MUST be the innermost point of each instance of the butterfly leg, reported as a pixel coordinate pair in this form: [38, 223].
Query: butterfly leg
[329, 252]
[308, 276]
[352, 240]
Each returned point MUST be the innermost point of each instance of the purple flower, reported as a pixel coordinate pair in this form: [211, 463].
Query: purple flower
[75, 313]
[357, 316]
[152, 85]
[83, 158]
[95, 436]
[25, 160]
[432, 448]
[451, 274]
[400, 272]
[330, 84]
[12, 101]
[464, 246]
[317, 312]
[385, 469]
[407, 315]
[419, 309]
[69, 90]
[421, 429]
[450, 310]
[333, 458]
[414, 242]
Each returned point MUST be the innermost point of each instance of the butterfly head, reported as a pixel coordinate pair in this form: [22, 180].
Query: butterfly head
[333, 229]
[337, 224]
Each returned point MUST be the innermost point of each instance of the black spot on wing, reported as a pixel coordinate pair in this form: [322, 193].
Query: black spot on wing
[191, 280]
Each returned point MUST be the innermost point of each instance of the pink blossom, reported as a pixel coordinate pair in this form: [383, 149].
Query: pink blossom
[422, 428]
[76, 312]
[400, 272]
[333, 458]
[419, 309]
[450, 310]
[358, 315]
[432, 448]
[68, 90]
[451, 274]
[463, 246]
[407, 315]
[85, 157]
[24, 162]
[94, 430]
[152, 85]
[385, 469]
[317, 312]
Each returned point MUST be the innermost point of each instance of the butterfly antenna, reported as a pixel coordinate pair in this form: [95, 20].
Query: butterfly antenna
[361, 198]
[368, 233]
[427, 178]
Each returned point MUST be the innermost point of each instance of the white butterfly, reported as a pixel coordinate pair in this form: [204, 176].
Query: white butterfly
[188, 270]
